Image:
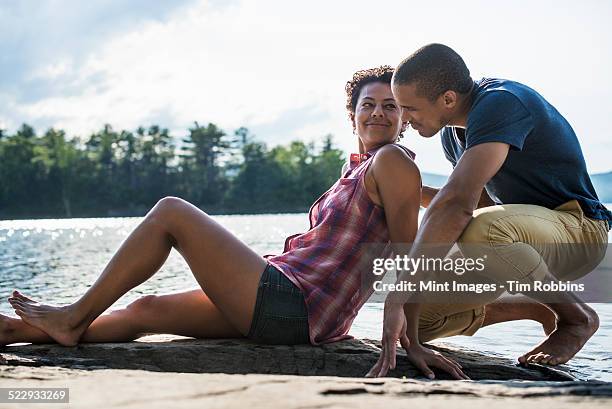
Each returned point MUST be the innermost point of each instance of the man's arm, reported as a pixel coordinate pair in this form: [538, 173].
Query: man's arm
[428, 193]
[450, 211]
[447, 216]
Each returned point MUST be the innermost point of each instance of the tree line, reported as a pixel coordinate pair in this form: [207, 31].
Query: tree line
[124, 173]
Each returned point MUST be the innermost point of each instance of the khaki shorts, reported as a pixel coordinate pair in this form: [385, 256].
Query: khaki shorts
[519, 243]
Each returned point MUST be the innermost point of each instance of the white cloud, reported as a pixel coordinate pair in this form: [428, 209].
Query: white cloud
[252, 62]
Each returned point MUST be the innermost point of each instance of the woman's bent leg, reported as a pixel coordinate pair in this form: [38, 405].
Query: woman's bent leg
[189, 313]
[227, 270]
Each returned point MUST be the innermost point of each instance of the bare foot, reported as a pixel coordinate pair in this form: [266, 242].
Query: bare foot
[58, 322]
[549, 323]
[565, 341]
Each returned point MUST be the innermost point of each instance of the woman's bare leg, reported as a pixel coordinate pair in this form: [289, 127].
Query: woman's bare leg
[189, 313]
[227, 270]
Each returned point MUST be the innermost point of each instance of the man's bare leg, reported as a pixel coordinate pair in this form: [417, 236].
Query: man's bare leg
[519, 308]
[227, 270]
[189, 313]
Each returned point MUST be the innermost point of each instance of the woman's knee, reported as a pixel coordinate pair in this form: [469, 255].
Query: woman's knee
[169, 204]
[167, 210]
[145, 306]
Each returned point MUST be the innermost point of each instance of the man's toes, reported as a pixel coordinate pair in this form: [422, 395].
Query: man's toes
[525, 357]
[536, 358]
[546, 359]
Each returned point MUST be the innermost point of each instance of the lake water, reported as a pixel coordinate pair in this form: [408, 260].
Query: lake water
[56, 260]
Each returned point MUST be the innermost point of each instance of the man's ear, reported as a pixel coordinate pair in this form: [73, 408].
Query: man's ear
[352, 117]
[449, 98]
[404, 126]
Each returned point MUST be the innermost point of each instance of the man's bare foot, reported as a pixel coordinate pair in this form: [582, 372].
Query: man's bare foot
[565, 341]
[60, 323]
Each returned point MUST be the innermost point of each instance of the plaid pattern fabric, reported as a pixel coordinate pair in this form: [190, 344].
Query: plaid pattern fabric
[325, 262]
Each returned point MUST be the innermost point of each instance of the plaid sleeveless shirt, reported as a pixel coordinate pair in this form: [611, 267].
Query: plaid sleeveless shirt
[325, 261]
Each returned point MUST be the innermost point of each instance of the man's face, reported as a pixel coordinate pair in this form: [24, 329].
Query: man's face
[424, 116]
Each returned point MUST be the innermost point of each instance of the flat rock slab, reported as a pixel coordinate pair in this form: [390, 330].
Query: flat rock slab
[164, 371]
[115, 388]
[352, 358]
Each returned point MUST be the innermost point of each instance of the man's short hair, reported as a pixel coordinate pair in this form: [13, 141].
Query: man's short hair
[435, 69]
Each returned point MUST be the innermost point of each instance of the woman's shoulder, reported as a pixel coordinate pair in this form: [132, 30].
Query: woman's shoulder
[395, 155]
[394, 162]
[395, 147]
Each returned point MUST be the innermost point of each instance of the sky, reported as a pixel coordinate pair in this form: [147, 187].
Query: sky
[279, 67]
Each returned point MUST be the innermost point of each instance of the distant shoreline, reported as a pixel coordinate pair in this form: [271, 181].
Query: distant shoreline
[601, 181]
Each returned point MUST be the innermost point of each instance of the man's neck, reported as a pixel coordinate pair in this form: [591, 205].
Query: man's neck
[464, 104]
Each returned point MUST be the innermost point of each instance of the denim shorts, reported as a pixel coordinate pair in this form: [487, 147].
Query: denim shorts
[280, 315]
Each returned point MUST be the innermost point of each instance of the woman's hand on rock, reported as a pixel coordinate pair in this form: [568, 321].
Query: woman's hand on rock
[394, 328]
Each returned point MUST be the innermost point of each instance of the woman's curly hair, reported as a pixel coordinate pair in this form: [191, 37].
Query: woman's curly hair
[382, 74]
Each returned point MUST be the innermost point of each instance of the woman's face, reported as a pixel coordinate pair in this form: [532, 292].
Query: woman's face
[377, 118]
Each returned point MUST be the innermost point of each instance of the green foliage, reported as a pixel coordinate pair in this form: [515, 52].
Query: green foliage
[124, 173]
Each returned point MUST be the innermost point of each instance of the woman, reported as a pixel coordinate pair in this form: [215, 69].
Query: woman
[305, 295]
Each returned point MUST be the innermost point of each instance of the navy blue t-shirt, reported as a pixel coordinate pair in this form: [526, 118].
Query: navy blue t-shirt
[545, 165]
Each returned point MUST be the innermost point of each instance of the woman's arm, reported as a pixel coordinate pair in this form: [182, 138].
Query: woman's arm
[398, 184]
[427, 195]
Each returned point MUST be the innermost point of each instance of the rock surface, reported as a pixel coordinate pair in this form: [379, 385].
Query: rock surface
[352, 358]
[162, 371]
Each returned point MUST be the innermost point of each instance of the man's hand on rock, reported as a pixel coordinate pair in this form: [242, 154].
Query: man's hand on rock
[425, 358]
[394, 328]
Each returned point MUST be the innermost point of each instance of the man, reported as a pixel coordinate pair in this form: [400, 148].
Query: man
[506, 142]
